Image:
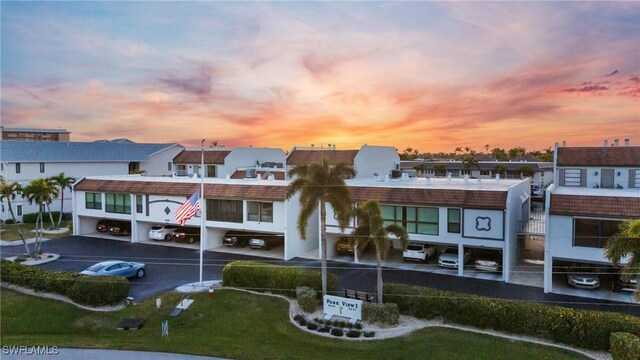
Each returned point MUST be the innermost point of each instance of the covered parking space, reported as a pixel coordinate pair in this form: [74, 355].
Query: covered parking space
[484, 263]
[142, 232]
[216, 243]
[88, 226]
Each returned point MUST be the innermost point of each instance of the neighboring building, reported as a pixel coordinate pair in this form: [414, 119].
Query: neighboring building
[367, 161]
[250, 205]
[23, 161]
[596, 188]
[241, 162]
[35, 134]
[467, 214]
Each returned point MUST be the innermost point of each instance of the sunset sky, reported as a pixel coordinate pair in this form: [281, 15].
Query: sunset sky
[430, 75]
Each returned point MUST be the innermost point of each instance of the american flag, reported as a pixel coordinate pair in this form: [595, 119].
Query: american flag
[188, 209]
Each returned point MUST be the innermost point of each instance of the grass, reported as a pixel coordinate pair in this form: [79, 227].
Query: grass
[10, 232]
[235, 325]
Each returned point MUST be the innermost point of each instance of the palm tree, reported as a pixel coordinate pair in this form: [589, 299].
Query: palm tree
[420, 168]
[319, 184]
[371, 229]
[62, 182]
[626, 243]
[41, 192]
[500, 169]
[55, 193]
[470, 162]
[9, 192]
[440, 169]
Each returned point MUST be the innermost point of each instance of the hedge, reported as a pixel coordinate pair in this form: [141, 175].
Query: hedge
[625, 346]
[32, 217]
[275, 278]
[582, 328]
[381, 313]
[88, 290]
[307, 298]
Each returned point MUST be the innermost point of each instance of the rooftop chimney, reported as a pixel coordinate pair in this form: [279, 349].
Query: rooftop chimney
[606, 143]
[497, 177]
[626, 143]
[449, 176]
[466, 178]
[616, 142]
[564, 143]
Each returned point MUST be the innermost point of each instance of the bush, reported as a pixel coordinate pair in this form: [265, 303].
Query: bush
[99, 290]
[275, 278]
[312, 326]
[564, 325]
[369, 334]
[32, 217]
[9, 221]
[60, 282]
[387, 313]
[353, 334]
[358, 326]
[324, 329]
[307, 298]
[624, 346]
[337, 332]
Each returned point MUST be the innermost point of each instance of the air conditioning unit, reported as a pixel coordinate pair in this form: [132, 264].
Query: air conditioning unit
[250, 173]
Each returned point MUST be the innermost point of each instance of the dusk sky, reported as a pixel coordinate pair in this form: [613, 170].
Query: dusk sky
[430, 75]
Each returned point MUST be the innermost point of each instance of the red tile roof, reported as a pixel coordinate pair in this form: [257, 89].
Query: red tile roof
[194, 157]
[299, 157]
[627, 156]
[241, 174]
[604, 206]
[212, 191]
[477, 199]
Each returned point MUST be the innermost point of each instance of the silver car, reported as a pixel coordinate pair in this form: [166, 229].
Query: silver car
[583, 276]
[449, 258]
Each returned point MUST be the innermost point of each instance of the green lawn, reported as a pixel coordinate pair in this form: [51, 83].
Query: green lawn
[235, 325]
[10, 232]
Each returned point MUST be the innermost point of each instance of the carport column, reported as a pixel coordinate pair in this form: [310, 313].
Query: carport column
[548, 259]
[134, 223]
[74, 218]
[460, 259]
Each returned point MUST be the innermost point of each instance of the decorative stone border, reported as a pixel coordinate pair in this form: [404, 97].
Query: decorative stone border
[44, 258]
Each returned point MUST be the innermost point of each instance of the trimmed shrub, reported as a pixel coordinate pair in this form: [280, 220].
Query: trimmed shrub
[354, 334]
[99, 290]
[312, 326]
[387, 313]
[297, 317]
[60, 282]
[275, 278]
[369, 334]
[358, 326]
[337, 332]
[625, 346]
[9, 221]
[564, 325]
[324, 329]
[32, 217]
[307, 298]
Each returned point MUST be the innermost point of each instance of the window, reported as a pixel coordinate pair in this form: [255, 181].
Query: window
[416, 220]
[169, 166]
[181, 170]
[17, 168]
[19, 210]
[41, 167]
[211, 171]
[118, 203]
[593, 233]
[391, 215]
[139, 204]
[93, 200]
[453, 221]
[428, 221]
[224, 210]
[573, 177]
[260, 211]
[485, 173]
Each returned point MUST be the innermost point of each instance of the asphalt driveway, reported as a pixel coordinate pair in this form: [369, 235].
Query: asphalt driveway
[169, 267]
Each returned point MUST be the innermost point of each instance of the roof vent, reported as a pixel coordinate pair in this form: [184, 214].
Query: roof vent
[405, 176]
[258, 177]
[449, 176]
[606, 143]
[250, 173]
[271, 177]
[497, 177]
[466, 178]
[626, 143]
[227, 177]
[616, 142]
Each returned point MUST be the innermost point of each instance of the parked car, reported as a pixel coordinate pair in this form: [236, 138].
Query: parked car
[236, 238]
[162, 232]
[265, 242]
[537, 191]
[488, 260]
[117, 227]
[344, 247]
[449, 258]
[103, 225]
[118, 268]
[619, 283]
[416, 251]
[583, 276]
[185, 234]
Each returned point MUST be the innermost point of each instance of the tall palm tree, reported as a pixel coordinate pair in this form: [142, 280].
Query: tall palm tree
[420, 168]
[9, 192]
[319, 184]
[62, 181]
[41, 192]
[500, 169]
[371, 229]
[626, 243]
[440, 169]
[469, 162]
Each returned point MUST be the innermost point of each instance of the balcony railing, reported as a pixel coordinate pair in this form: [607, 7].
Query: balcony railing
[534, 226]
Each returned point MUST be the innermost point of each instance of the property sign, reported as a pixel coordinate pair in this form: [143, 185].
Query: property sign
[339, 306]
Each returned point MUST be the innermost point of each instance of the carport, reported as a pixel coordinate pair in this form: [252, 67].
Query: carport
[143, 236]
[215, 238]
[484, 254]
[86, 226]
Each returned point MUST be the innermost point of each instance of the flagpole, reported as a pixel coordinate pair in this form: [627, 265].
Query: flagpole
[202, 215]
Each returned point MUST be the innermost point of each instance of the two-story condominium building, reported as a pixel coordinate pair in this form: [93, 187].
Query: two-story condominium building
[31, 134]
[254, 206]
[237, 163]
[24, 161]
[596, 188]
[446, 212]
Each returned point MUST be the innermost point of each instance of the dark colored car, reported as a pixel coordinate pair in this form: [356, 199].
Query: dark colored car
[344, 247]
[120, 227]
[265, 242]
[236, 238]
[619, 283]
[103, 225]
[185, 234]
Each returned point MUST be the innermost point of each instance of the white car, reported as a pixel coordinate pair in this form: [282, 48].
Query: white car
[449, 258]
[162, 232]
[418, 252]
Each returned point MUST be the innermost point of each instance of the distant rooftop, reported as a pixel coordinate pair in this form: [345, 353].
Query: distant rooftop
[438, 183]
[599, 156]
[52, 151]
[35, 130]
[211, 156]
[307, 156]
[569, 190]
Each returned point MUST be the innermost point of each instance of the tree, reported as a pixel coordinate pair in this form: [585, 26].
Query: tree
[41, 192]
[371, 229]
[420, 168]
[440, 169]
[319, 184]
[547, 155]
[486, 148]
[469, 162]
[526, 171]
[9, 192]
[626, 243]
[500, 169]
[500, 154]
[409, 154]
[62, 182]
[516, 151]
